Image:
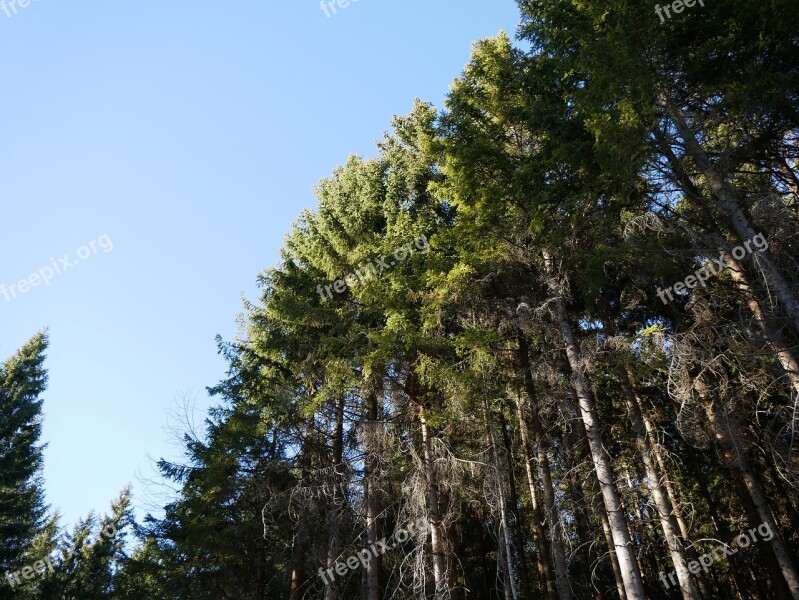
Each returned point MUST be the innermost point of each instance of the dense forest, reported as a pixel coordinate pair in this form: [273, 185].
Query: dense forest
[544, 345]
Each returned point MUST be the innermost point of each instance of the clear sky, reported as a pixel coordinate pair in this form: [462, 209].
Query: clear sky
[182, 138]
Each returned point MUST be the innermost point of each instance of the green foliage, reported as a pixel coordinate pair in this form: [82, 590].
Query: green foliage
[23, 379]
[556, 190]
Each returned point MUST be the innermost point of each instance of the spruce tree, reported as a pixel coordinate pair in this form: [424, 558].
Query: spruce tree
[23, 379]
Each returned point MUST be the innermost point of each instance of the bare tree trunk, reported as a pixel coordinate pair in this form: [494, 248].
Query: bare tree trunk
[260, 571]
[455, 580]
[779, 347]
[373, 495]
[334, 536]
[438, 536]
[782, 351]
[562, 584]
[301, 537]
[506, 588]
[654, 444]
[568, 458]
[600, 511]
[510, 569]
[725, 193]
[630, 570]
[437, 541]
[735, 457]
[719, 524]
[298, 560]
[513, 507]
[674, 498]
[614, 559]
[641, 529]
[688, 586]
[543, 553]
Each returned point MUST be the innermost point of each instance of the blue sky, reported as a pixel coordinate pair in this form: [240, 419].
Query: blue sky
[190, 135]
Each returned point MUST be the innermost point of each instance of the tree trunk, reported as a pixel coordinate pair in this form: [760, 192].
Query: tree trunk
[784, 495]
[725, 193]
[614, 559]
[630, 570]
[776, 342]
[260, 571]
[513, 507]
[674, 498]
[336, 478]
[782, 351]
[373, 495]
[438, 536]
[552, 515]
[510, 570]
[298, 561]
[595, 493]
[437, 541]
[668, 523]
[722, 528]
[543, 552]
[301, 537]
[735, 457]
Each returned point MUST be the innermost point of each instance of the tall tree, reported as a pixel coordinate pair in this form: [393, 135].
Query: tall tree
[23, 379]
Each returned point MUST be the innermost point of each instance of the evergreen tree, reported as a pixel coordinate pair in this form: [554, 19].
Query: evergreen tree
[87, 559]
[23, 379]
[468, 332]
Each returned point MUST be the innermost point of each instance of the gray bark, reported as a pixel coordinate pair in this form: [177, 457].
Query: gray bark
[562, 584]
[727, 436]
[510, 568]
[543, 553]
[739, 222]
[628, 563]
[668, 523]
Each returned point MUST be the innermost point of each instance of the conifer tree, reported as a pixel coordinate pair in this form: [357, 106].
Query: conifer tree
[23, 379]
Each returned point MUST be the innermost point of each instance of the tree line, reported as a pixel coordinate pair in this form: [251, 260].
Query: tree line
[523, 386]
